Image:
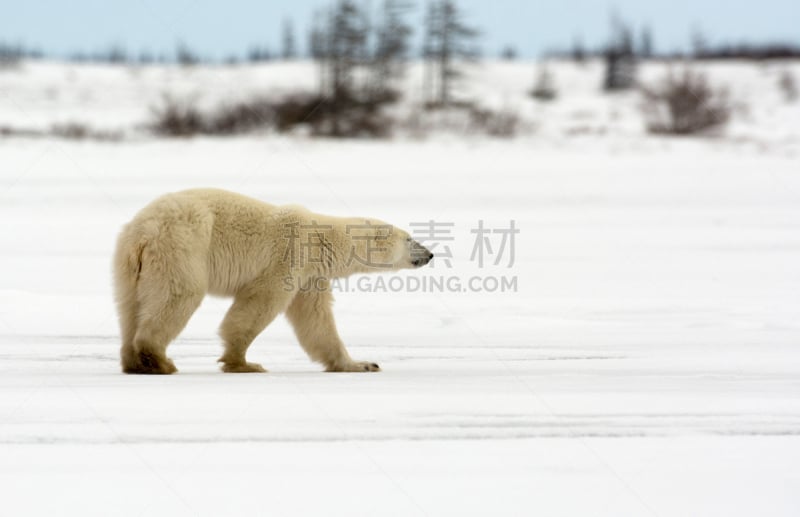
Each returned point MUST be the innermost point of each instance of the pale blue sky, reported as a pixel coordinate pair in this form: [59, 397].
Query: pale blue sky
[217, 29]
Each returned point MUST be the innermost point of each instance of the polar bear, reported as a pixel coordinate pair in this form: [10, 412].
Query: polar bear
[270, 259]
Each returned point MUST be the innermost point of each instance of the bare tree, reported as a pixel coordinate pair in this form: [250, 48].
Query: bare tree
[146, 57]
[117, 54]
[391, 50]
[289, 50]
[258, 53]
[578, 51]
[339, 44]
[788, 86]
[185, 56]
[318, 47]
[646, 45]
[544, 90]
[620, 58]
[509, 53]
[448, 38]
[427, 46]
[699, 43]
[345, 47]
[10, 55]
[358, 66]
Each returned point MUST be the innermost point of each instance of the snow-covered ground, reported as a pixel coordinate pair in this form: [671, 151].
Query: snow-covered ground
[38, 95]
[647, 364]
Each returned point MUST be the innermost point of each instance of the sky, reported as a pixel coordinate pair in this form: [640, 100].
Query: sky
[217, 29]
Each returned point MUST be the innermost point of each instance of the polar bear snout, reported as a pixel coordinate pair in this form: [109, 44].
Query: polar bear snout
[420, 255]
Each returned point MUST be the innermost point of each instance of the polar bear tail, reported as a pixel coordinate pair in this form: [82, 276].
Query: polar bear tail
[127, 268]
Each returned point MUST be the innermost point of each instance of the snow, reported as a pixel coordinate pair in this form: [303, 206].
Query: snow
[647, 365]
[38, 95]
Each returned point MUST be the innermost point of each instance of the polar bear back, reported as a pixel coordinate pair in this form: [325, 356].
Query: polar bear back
[228, 237]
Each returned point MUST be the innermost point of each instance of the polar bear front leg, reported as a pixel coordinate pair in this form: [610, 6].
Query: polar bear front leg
[251, 312]
[311, 315]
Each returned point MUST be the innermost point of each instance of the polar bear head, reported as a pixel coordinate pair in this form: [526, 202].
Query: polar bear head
[336, 247]
[377, 246]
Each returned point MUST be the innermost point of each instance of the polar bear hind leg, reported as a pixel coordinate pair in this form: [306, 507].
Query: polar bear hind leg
[169, 290]
[155, 331]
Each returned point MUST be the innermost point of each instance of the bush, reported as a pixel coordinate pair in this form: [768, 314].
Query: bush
[347, 117]
[240, 117]
[502, 124]
[70, 130]
[183, 118]
[67, 130]
[296, 110]
[80, 131]
[178, 118]
[685, 104]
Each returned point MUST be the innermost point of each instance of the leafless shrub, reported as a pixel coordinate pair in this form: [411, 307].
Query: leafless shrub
[788, 86]
[464, 118]
[501, 124]
[359, 122]
[345, 118]
[429, 118]
[544, 90]
[685, 104]
[412, 123]
[240, 117]
[10, 56]
[68, 130]
[183, 118]
[751, 51]
[9, 131]
[351, 117]
[177, 118]
[80, 131]
[585, 130]
[295, 110]
[71, 130]
[8, 62]
[452, 107]
[620, 58]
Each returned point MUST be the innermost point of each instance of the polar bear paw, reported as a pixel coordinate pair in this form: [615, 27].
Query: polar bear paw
[243, 368]
[354, 366]
[147, 363]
